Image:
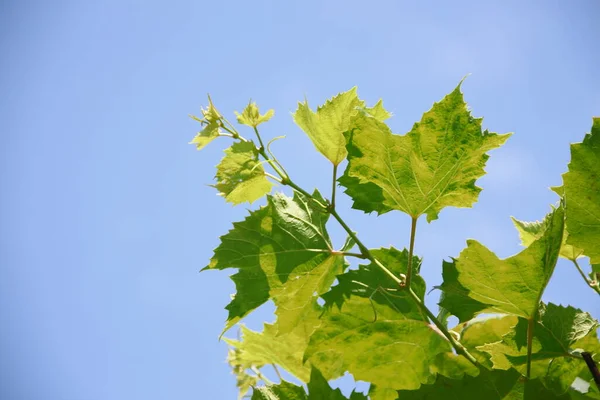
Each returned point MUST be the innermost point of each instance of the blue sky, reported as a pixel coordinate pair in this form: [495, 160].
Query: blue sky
[106, 218]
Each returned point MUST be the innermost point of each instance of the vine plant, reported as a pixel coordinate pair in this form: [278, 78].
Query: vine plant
[374, 323]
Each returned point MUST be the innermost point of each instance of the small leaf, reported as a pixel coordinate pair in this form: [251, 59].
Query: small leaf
[510, 286]
[211, 118]
[434, 166]
[395, 354]
[482, 331]
[240, 176]
[581, 187]
[326, 127]
[244, 381]
[251, 116]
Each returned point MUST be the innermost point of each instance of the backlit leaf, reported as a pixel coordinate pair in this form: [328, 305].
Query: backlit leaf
[392, 353]
[326, 127]
[282, 252]
[434, 166]
[240, 176]
[581, 189]
[252, 117]
[510, 286]
[370, 282]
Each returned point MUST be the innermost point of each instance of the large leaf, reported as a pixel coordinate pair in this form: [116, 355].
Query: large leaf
[318, 389]
[326, 127]
[581, 189]
[510, 286]
[370, 282]
[488, 385]
[558, 331]
[390, 353]
[455, 294]
[283, 253]
[434, 166]
[240, 176]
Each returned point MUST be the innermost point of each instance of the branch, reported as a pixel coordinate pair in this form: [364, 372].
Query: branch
[594, 284]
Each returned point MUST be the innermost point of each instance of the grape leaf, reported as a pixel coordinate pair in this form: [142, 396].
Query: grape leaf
[381, 393]
[581, 189]
[454, 293]
[240, 176]
[267, 347]
[394, 354]
[558, 331]
[318, 389]
[283, 253]
[434, 166]
[210, 121]
[513, 285]
[251, 116]
[326, 127]
[530, 231]
[370, 282]
[481, 331]
[488, 385]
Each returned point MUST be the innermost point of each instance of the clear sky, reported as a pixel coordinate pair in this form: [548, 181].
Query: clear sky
[106, 218]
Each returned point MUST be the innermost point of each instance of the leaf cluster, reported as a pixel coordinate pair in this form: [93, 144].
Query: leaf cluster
[371, 321]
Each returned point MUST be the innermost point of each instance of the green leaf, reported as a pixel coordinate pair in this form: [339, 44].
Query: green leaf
[281, 391]
[455, 296]
[319, 389]
[381, 393]
[211, 119]
[581, 185]
[326, 127]
[267, 347]
[556, 333]
[434, 166]
[481, 331]
[488, 385]
[395, 354]
[530, 231]
[240, 176]
[252, 117]
[510, 286]
[283, 253]
[370, 282]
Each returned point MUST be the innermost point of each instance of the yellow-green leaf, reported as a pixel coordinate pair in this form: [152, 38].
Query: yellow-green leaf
[240, 176]
[581, 190]
[326, 127]
[434, 166]
[513, 285]
[252, 117]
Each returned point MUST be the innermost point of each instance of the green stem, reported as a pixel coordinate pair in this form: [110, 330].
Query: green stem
[333, 185]
[530, 325]
[277, 372]
[262, 146]
[593, 284]
[460, 349]
[413, 229]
